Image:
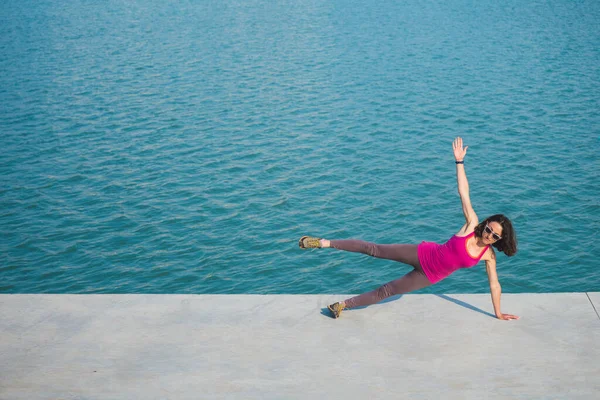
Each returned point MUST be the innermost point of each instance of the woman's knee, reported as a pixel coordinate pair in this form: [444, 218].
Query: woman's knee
[372, 249]
[386, 290]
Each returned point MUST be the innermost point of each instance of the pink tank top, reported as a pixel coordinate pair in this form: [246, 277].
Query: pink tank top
[440, 260]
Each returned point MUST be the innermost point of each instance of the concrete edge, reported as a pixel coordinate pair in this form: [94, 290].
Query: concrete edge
[594, 298]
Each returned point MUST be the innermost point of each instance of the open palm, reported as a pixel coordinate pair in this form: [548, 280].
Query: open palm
[459, 152]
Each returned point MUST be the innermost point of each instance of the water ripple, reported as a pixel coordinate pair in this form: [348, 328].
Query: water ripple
[158, 150]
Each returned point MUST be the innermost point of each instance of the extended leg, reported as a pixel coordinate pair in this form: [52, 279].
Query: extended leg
[410, 282]
[404, 253]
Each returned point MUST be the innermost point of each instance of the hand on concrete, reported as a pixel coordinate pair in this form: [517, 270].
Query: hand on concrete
[507, 316]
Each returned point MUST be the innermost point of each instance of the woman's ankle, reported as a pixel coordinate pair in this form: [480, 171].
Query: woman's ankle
[325, 243]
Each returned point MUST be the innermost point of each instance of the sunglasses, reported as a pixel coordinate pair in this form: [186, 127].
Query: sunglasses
[494, 235]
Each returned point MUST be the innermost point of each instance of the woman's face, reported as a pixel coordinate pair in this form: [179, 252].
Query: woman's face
[492, 232]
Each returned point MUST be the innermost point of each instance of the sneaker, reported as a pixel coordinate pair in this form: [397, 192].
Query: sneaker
[335, 309]
[309, 242]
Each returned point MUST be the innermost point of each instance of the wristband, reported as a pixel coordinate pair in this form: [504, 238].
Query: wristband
[459, 162]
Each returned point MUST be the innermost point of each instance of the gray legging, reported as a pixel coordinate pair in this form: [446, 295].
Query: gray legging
[404, 253]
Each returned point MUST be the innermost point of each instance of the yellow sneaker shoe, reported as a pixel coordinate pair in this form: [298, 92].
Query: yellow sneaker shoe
[335, 309]
[309, 242]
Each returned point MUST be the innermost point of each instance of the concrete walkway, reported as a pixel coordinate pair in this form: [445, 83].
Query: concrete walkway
[285, 347]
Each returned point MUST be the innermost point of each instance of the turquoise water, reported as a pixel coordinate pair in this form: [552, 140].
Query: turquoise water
[184, 147]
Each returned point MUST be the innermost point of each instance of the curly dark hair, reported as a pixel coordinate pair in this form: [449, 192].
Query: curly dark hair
[508, 243]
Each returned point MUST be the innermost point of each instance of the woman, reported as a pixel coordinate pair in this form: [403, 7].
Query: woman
[433, 262]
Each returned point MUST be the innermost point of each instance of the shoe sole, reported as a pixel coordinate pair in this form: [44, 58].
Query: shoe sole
[333, 314]
[300, 242]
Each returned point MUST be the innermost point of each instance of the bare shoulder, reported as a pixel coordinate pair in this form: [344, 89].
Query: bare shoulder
[490, 254]
[467, 228]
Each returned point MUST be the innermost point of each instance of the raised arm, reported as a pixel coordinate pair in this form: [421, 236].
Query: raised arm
[463, 184]
[495, 288]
